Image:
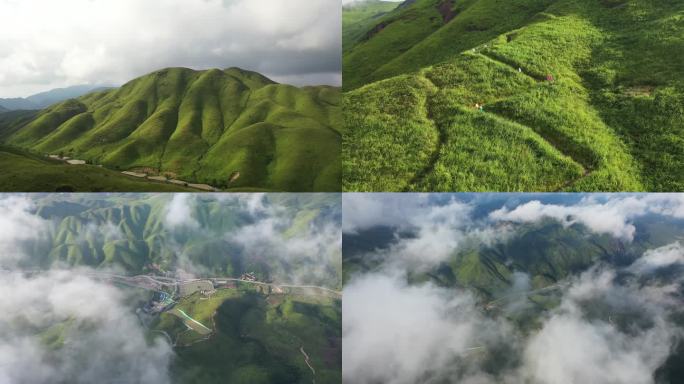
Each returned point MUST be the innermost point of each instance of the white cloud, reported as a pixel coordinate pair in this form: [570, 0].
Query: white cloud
[653, 259]
[179, 212]
[570, 350]
[308, 256]
[366, 210]
[19, 227]
[571, 347]
[399, 334]
[437, 229]
[46, 44]
[610, 217]
[90, 318]
[607, 329]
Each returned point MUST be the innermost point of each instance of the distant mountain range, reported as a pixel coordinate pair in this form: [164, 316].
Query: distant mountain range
[132, 231]
[229, 128]
[45, 99]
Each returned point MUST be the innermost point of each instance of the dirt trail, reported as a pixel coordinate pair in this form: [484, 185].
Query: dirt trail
[442, 138]
[586, 170]
[306, 360]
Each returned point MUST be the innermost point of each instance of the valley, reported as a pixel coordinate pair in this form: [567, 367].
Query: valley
[204, 287]
[501, 288]
[211, 130]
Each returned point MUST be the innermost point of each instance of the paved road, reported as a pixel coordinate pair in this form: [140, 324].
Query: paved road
[157, 283]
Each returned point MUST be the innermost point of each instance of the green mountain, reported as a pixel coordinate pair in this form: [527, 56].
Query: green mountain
[45, 99]
[578, 95]
[257, 338]
[17, 103]
[520, 275]
[360, 16]
[547, 251]
[131, 232]
[27, 172]
[240, 332]
[228, 128]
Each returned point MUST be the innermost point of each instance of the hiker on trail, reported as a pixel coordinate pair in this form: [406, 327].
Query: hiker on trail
[477, 105]
[549, 78]
[519, 69]
[481, 107]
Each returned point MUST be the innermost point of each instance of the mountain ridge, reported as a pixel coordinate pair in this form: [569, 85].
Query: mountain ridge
[44, 99]
[533, 95]
[205, 126]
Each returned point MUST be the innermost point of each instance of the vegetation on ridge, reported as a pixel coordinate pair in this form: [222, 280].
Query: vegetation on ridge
[232, 129]
[576, 95]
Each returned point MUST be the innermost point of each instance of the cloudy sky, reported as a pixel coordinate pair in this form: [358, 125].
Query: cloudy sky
[347, 2]
[94, 314]
[49, 44]
[398, 332]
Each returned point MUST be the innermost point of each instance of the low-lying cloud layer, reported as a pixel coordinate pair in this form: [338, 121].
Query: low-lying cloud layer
[574, 345]
[610, 324]
[399, 334]
[19, 229]
[62, 327]
[306, 253]
[611, 217]
[46, 44]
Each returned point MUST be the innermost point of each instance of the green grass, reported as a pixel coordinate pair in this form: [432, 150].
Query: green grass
[389, 136]
[137, 235]
[360, 16]
[257, 338]
[611, 120]
[200, 127]
[24, 172]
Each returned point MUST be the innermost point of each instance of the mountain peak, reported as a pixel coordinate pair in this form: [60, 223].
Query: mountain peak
[251, 78]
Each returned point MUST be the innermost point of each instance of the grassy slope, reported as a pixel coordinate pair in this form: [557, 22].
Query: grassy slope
[23, 172]
[257, 338]
[359, 17]
[200, 126]
[547, 251]
[611, 121]
[144, 238]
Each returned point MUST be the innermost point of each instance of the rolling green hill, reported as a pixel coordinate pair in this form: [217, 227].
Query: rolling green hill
[608, 119]
[240, 332]
[232, 129]
[25, 172]
[360, 16]
[547, 251]
[257, 338]
[131, 232]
